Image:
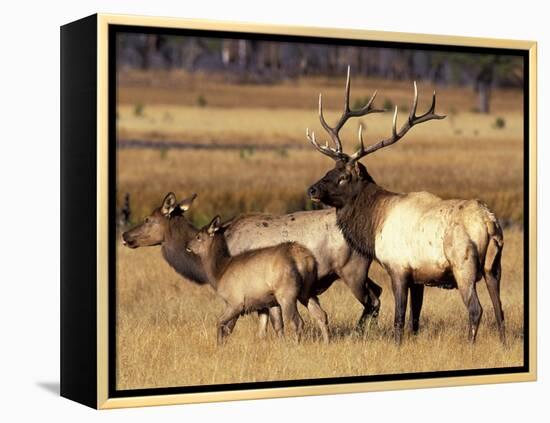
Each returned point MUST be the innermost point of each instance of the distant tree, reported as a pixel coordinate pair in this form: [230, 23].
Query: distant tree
[267, 61]
[484, 70]
[148, 50]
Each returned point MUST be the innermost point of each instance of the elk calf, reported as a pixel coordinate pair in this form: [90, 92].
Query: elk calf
[257, 279]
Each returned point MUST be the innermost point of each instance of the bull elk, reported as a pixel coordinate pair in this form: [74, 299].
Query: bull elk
[258, 279]
[168, 227]
[418, 238]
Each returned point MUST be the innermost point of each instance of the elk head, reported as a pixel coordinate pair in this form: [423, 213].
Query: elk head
[201, 244]
[152, 230]
[345, 181]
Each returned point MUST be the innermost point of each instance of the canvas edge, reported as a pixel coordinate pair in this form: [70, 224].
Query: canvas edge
[78, 303]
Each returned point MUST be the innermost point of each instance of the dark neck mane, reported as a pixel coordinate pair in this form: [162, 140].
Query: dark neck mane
[360, 219]
[179, 233]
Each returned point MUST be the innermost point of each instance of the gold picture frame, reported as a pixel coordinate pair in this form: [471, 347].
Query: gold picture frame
[92, 325]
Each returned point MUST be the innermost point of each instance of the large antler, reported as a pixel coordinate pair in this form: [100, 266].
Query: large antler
[334, 132]
[396, 136]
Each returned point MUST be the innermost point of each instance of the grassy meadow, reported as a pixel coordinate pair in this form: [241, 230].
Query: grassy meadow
[166, 325]
[166, 331]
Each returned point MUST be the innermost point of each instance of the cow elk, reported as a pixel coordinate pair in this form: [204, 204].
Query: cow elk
[258, 279]
[418, 238]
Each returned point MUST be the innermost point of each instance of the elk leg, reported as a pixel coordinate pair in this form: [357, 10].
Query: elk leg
[227, 320]
[400, 293]
[228, 328]
[291, 315]
[319, 315]
[371, 303]
[463, 257]
[263, 317]
[276, 318]
[372, 307]
[492, 280]
[364, 289]
[417, 297]
[475, 311]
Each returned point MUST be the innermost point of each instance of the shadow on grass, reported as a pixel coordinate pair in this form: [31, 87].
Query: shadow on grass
[345, 331]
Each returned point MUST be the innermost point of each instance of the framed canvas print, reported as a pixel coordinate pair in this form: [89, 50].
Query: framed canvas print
[254, 211]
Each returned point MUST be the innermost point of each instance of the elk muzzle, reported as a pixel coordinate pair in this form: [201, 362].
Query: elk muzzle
[128, 241]
[314, 193]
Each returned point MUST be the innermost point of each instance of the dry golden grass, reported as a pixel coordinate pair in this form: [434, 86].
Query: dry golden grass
[274, 182]
[166, 326]
[180, 88]
[254, 126]
[166, 332]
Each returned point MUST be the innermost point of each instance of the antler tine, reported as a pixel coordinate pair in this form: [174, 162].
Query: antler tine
[411, 121]
[412, 113]
[326, 127]
[369, 105]
[346, 114]
[359, 153]
[346, 94]
[325, 149]
[430, 114]
[394, 124]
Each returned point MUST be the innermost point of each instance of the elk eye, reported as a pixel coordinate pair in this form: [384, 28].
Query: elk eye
[147, 220]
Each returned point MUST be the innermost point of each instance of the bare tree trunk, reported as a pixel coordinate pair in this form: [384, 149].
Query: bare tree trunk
[242, 54]
[484, 81]
[149, 51]
[226, 52]
[484, 97]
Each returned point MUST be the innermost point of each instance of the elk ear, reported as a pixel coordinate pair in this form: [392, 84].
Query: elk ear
[363, 172]
[214, 226]
[358, 169]
[186, 204]
[169, 204]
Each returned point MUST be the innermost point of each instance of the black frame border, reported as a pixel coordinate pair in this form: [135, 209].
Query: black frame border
[113, 392]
